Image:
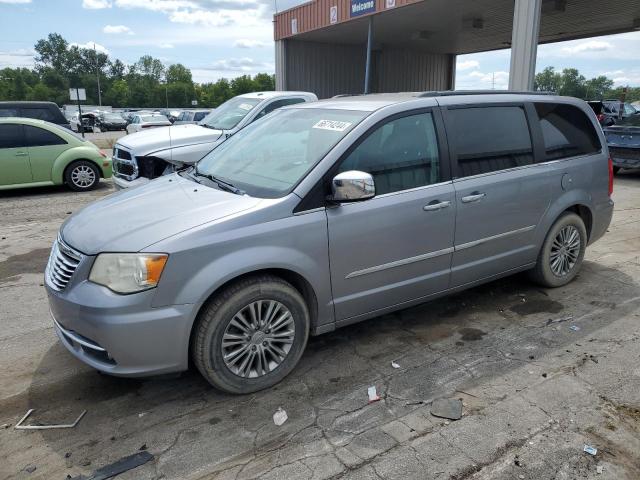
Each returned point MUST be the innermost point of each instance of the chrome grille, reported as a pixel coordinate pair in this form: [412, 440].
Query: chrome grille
[62, 265]
[124, 164]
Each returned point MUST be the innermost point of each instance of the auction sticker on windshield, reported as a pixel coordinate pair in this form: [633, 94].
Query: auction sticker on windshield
[245, 106]
[333, 125]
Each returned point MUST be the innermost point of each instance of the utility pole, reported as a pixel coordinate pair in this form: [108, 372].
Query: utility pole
[97, 74]
[493, 80]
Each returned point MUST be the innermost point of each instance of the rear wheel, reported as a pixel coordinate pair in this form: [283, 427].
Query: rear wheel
[562, 252]
[251, 335]
[81, 176]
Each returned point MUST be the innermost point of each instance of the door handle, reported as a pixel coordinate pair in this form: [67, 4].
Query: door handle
[474, 197]
[21, 154]
[431, 207]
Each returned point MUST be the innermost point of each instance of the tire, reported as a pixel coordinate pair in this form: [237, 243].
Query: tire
[82, 176]
[220, 317]
[616, 170]
[561, 238]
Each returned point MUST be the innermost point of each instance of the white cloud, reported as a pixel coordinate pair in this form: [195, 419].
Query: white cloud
[116, 29]
[244, 64]
[244, 43]
[467, 65]
[21, 57]
[89, 45]
[166, 45]
[483, 80]
[96, 4]
[589, 46]
[15, 2]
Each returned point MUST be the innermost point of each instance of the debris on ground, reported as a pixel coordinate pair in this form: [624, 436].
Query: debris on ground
[373, 394]
[590, 450]
[575, 328]
[116, 468]
[450, 408]
[5, 426]
[599, 469]
[20, 426]
[553, 321]
[417, 402]
[395, 365]
[30, 468]
[280, 417]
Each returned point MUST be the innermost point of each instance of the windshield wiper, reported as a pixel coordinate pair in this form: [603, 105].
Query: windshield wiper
[224, 185]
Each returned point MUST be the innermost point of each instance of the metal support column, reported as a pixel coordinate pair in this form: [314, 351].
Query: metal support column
[524, 44]
[367, 68]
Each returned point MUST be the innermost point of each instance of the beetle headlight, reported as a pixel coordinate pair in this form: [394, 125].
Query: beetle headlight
[128, 272]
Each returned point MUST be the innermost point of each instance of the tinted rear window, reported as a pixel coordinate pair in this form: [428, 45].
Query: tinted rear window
[39, 137]
[566, 131]
[11, 136]
[9, 112]
[490, 139]
[41, 114]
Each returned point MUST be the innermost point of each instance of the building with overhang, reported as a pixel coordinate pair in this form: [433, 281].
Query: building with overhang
[334, 47]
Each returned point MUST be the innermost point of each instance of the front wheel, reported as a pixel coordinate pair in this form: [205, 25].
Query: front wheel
[251, 335]
[81, 176]
[562, 252]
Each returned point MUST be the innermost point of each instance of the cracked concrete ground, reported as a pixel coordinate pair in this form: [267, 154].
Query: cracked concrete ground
[534, 390]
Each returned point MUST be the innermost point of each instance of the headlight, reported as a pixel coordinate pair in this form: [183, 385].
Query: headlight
[128, 272]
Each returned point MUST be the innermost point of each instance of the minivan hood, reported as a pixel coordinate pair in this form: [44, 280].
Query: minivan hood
[161, 138]
[132, 219]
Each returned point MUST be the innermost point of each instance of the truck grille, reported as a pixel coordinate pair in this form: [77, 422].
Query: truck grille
[124, 164]
[62, 265]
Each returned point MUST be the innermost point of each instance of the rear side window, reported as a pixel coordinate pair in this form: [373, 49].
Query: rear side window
[40, 114]
[199, 116]
[39, 137]
[11, 136]
[566, 130]
[489, 139]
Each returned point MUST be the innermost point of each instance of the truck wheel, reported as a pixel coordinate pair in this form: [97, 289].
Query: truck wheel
[81, 176]
[561, 255]
[251, 335]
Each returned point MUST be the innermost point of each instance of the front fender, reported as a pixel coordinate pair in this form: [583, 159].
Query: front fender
[77, 153]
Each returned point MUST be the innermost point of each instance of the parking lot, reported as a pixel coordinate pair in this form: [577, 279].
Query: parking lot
[540, 372]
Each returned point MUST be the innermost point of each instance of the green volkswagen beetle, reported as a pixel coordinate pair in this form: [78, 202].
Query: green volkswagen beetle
[35, 153]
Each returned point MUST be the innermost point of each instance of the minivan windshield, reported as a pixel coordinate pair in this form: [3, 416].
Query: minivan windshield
[269, 157]
[229, 114]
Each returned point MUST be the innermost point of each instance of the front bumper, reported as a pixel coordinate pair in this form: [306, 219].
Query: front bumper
[121, 335]
[121, 183]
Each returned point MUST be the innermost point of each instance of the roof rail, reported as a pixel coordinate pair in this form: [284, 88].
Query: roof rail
[448, 93]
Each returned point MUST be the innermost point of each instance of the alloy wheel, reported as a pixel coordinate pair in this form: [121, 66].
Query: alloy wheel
[565, 251]
[83, 176]
[258, 338]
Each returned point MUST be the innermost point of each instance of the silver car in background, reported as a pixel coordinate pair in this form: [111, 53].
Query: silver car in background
[190, 117]
[139, 158]
[325, 214]
[145, 121]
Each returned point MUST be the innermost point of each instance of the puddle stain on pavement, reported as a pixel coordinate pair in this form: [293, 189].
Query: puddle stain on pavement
[34, 261]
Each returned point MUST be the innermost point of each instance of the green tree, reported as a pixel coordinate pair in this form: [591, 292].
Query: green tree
[264, 82]
[52, 52]
[597, 87]
[178, 73]
[243, 84]
[548, 80]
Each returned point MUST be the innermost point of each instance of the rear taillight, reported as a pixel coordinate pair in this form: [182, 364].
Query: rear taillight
[610, 176]
[601, 117]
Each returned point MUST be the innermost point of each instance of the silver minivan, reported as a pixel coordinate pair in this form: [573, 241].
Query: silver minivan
[325, 214]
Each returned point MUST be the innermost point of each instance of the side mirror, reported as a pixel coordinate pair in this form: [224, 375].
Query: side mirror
[352, 186]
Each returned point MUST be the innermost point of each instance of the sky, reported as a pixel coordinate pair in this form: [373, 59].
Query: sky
[228, 38]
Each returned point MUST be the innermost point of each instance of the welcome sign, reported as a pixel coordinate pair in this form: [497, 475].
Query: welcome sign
[360, 7]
